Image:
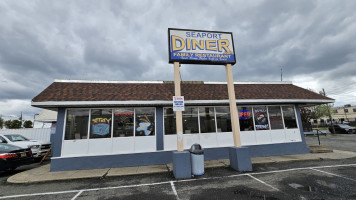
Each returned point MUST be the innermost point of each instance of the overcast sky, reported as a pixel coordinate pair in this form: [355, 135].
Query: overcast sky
[313, 41]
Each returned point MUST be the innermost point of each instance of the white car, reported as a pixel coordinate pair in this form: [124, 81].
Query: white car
[39, 148]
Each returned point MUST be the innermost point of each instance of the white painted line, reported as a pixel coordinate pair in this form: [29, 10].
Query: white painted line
[77, 195]
[333, 174]
[39, 194]
[174, 190]
[84, 190]
[262, 182]
[169, 182]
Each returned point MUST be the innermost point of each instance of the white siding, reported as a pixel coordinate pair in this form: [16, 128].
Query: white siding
[42, 134]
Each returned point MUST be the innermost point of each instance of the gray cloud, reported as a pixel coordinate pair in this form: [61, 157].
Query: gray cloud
[125, 40]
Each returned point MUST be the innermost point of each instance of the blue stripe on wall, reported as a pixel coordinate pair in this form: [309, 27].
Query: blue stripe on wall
[56, 139]
[159, 128]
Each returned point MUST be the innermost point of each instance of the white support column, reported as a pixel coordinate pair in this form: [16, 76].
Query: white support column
[179, 120]
[233, 108]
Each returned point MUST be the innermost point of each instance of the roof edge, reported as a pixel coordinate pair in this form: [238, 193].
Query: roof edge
[187, 102]
[161, 82]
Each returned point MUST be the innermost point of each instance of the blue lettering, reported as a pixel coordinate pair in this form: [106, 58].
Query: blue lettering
[203, 34]
[198, 35]
[187, 34]
[210, 35]
[193, 34]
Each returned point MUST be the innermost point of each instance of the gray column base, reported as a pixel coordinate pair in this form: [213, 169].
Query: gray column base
[182, 165]
[240, 159]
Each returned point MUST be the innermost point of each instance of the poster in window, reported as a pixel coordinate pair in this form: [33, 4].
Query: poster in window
[144, 126]
[101, 126]
[261, 121]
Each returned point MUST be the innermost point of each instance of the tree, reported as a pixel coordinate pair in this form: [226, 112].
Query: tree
[13, 124]
[27, 124]
[305, 115]
[1, 122]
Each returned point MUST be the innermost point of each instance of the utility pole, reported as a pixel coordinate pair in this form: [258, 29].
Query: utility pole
[329, 113]
[281, 74]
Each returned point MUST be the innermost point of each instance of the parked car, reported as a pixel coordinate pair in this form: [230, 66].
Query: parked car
[12, 156]
[342, 128]
[39, 148]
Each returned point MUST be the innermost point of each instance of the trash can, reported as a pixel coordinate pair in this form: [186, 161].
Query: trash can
[197, 159]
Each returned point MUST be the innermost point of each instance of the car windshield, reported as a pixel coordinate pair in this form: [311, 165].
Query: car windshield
[344, 126]
[16, 138]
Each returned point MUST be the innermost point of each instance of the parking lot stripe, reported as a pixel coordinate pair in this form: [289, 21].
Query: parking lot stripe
[334, 174]
[77, 195]
[262, 182]
[169, 182]
[174, 190]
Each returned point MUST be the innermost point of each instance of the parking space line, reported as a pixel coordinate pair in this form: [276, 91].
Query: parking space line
[262, 182]
[77, 195]
[39, 194]
[334, 174]
[174, 190]
[84, 190]
[177, 181]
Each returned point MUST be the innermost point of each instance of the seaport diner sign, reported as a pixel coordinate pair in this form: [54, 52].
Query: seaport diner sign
[201, 47]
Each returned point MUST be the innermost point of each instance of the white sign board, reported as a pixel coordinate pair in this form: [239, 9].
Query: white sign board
[178, 103]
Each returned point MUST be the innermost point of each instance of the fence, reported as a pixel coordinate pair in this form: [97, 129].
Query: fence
[42, 134]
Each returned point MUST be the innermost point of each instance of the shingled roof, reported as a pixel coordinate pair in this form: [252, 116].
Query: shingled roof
[78, 93]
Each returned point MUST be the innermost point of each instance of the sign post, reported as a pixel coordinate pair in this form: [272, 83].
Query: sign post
[233, 109]
[209, 48]
[179, 120]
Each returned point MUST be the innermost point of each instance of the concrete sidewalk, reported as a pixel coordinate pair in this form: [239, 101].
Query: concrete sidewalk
[42, 174]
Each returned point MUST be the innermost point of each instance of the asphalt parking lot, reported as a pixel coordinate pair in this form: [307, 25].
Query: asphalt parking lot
[321, 179]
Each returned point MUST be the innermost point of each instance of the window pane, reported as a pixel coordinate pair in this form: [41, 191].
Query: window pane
[190, 120]
[100, 123]
[123, 122]
[245, 118]
[261, 121]
[77, 124]
[145, 121]
[275, 117]
[207, 120]
[223, 119]
[289, 117]
[169, 121]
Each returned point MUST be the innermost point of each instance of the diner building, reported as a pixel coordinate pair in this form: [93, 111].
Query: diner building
[103, 124]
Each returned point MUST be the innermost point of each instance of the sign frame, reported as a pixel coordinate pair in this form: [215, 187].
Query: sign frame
[203, 62]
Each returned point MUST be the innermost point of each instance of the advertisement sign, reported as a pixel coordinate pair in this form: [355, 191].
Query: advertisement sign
[178, 103]
[261, 121]
[201, 47]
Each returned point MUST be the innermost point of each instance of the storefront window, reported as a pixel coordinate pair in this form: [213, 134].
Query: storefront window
[145, 121]
[123, 122]
[289, 117]
[190, 120]
[223, 119]
[261, 120]
[77, 124]
[275, 117]
[169, 121]
[100, 123]
[207, 120]
[245, 118]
